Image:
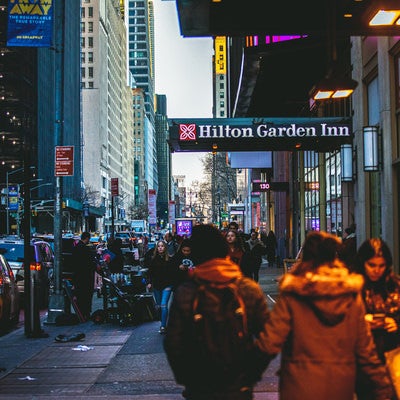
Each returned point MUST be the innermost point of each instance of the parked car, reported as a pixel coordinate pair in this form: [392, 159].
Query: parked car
[41, 257]
[9, 296]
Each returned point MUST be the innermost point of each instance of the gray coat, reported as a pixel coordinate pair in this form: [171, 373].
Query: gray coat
[318, 325]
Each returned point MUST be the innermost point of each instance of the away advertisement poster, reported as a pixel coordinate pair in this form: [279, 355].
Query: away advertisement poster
[30, 23]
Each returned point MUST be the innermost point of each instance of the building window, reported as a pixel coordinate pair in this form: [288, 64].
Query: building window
[83, 9]
[90, 26]
[90, 56]
[83, 72]
[82, 42]
[90, 85]
[90, 72]
[90, 41]
[82, 57]
[90, 12]
[82, 27]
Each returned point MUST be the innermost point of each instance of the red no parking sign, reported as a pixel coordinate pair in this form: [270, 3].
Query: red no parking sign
[64, 163]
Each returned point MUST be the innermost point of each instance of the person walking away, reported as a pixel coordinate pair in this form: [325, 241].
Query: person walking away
[161, 280]
[348, 249]
[116, 265]
[318, 326]
[271, 245]
[172, 245]
[84, 263]
[239, 252]
[381, 294]
[257, 249]
[197, 362]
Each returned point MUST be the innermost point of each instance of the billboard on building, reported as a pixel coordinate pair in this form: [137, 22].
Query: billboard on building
[152, 199]
[30, 23]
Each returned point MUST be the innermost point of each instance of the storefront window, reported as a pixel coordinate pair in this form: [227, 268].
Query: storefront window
[333, 193]
[311, 191]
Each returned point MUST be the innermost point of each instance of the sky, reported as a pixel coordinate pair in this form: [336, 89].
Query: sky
[183, 72]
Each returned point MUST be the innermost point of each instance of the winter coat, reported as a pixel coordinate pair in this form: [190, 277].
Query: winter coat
[196, 372]
[161, 273]
[318, 324]
[257, 250]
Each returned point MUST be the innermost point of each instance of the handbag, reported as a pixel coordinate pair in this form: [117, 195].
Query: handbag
[393, 366]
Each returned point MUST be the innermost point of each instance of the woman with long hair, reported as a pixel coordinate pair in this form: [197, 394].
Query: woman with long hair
[161, 280]
[238, 253]
[381, 294]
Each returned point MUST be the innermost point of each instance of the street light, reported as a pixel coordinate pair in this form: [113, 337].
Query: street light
[8, 198]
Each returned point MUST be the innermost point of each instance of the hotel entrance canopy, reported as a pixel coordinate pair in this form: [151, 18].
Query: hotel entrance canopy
[258, 134]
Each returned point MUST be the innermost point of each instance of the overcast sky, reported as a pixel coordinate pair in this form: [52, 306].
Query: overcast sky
[183, 72]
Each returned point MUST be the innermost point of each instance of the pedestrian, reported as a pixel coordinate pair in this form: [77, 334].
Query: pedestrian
[271, 245]
[318, 326]
[257, 249]
[84, 264]
[239, 252]
[381, 294]
[172, 244]
[116, 264]
[182, 261]
[161, 280]
[197, 370]
[348, 249]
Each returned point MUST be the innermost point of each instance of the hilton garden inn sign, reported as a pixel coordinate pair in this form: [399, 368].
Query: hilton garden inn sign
[259, 134]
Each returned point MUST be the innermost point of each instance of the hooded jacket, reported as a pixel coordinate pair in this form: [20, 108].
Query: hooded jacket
[196, 372]
[318, 326]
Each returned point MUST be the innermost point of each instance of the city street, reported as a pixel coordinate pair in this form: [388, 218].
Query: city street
[111, 362]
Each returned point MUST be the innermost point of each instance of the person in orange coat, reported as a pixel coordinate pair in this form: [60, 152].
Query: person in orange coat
[318, 326]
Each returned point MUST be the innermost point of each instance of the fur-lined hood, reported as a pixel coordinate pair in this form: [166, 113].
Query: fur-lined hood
[329, 290]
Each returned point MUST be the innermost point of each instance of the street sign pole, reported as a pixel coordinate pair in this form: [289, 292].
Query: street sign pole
[56, 300]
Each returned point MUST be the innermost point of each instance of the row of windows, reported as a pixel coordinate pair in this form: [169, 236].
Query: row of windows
[89, 72]
[87, 57]
[88, 85]
[89, 42]
[89, 27]
[89, 12]
[136, 4]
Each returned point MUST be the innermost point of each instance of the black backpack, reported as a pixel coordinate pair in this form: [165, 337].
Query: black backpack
[220, 325]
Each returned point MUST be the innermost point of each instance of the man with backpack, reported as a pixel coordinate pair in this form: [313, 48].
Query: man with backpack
[214, 320]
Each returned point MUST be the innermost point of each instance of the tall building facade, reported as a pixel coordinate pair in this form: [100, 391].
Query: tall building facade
[139, 116]
[107, 117]
[139, 17]
[163, 159]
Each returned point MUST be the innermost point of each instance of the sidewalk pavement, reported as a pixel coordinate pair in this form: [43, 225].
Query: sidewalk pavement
[111, 362]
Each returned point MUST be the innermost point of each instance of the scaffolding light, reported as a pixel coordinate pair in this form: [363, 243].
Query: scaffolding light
[383, 13]
[333, 88]
[385, 18]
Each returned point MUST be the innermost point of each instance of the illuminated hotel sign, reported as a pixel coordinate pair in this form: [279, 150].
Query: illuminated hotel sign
[243, 134]
[195, 132]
